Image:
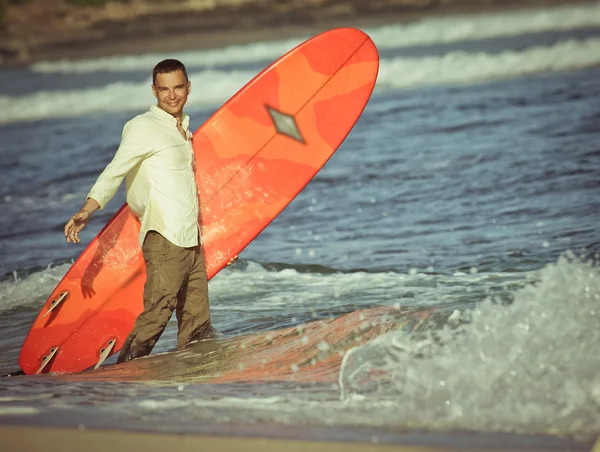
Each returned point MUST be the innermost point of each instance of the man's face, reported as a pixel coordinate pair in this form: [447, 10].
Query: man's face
[172, 91]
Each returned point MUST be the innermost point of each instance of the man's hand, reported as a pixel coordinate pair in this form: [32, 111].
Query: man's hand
[75, 225]
[232, 260]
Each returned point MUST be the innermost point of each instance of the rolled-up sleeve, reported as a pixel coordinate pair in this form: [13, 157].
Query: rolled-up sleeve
[134, 147]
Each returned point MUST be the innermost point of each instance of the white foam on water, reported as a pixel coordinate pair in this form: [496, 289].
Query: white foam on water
[531, 366]
[296, 291]
[18, 411]
[462, 67]
[115, 97]
[299, 292]
[449, 29]
[239, 54]
[31, 290]
[395, 73]
[528, 367]
[446, 29]
[525, 367]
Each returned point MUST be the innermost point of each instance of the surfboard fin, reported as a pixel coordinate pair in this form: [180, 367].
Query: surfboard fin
[104, 352]
[46, 359]
[55, 303]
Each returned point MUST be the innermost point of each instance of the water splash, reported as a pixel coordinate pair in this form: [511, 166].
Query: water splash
[528, 366]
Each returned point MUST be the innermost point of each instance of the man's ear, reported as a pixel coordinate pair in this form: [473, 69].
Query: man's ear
[189, 87]
[154, 91]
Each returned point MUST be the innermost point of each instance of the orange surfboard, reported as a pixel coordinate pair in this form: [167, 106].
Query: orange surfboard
[253, 156]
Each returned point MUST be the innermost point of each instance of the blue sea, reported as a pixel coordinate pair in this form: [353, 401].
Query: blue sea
[470, 185]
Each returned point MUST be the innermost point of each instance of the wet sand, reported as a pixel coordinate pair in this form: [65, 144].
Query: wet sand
[27, 438]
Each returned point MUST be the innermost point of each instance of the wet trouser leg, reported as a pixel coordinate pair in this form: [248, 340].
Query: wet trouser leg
[169, 272]
[193, 311]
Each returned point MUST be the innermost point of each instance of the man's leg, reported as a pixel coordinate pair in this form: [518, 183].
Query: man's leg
[193, 309]
[167, 267]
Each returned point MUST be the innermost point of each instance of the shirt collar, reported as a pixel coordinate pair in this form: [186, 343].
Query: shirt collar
[166, 117]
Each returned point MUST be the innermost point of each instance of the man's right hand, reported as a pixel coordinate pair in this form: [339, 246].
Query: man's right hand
[75, 225]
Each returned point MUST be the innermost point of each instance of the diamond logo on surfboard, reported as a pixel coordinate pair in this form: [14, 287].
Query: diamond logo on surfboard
[285, 124]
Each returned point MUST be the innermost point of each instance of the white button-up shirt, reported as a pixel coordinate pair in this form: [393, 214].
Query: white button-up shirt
[158, 165]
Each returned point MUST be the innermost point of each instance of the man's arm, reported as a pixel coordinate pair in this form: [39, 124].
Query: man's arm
[132, 149]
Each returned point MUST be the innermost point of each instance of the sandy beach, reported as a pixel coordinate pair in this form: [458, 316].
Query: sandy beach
[77, 32]
[77, 439]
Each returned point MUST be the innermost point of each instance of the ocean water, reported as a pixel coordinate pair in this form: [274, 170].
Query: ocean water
[462, 212]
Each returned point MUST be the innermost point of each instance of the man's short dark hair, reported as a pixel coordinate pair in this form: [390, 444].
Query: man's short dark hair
[168, 66]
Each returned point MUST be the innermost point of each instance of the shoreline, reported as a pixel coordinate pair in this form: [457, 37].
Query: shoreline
[79, 438]
[198, 31]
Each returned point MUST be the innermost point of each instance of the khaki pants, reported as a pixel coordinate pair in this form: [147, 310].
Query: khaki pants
[175, 280]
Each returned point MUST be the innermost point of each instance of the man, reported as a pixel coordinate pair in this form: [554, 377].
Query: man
[156, 158]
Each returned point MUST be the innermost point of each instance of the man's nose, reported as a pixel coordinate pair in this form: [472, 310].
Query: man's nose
[171, 94]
